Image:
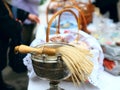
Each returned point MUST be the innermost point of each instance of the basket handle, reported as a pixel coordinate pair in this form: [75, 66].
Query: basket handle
[81, 17]
[78, 19]
[47, 9]
[72, 1]
[55, 15]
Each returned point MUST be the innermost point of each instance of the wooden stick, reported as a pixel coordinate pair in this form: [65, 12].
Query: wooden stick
[41, 50]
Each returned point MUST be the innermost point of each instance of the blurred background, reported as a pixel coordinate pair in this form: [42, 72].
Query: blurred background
[20, 81]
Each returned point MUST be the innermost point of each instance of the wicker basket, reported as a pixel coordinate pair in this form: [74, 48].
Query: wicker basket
[86, 9]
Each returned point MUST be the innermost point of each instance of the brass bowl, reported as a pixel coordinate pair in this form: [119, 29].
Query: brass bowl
[50, 67]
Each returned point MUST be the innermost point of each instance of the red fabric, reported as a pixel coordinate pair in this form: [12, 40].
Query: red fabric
[109, 64]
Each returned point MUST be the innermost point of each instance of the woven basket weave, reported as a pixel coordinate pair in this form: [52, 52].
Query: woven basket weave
[87, 8]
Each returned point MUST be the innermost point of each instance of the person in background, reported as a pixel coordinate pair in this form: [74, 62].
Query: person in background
[108, 6]
[30, 6]
[10, 29]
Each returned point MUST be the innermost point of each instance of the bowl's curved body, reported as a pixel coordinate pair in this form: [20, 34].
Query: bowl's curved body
[50, 67]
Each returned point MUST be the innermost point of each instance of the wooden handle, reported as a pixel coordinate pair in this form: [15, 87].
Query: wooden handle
[41, 50]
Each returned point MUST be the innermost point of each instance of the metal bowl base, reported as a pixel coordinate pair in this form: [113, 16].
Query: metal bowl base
[54, 85]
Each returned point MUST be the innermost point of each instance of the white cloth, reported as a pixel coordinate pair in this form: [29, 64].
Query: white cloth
[44, 85]
[98, 77]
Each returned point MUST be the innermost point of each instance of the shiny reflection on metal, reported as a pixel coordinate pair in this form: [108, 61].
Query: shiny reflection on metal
[50, 68]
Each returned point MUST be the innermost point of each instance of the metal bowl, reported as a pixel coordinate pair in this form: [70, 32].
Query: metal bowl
[50, 67]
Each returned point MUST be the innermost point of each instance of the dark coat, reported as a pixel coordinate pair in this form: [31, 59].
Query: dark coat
[8, 26]
[9, 29]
